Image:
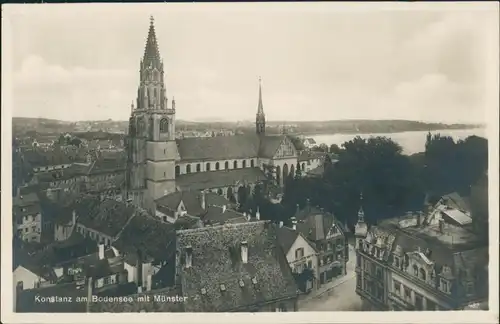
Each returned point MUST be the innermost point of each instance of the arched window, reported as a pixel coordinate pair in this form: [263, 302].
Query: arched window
[177, 170]
[164, 125]
[154, 92]
[235, 165]
[198, 167]
[226, 165]
[19, 285]
[252, 163]
[244, 164]
[219, 191]
[207, 167]
[217, 166]
[415, 270]
[303, 167]
[188, 168]
[422, 274]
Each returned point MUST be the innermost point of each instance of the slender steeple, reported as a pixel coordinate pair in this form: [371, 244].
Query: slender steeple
[151, 51]
[260, 120]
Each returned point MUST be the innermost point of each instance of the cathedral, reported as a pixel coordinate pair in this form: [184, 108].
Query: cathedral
[158, 164]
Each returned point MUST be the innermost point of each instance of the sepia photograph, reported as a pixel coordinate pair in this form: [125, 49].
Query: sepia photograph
[250, 158]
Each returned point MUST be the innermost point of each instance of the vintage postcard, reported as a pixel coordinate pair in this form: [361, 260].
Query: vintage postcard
[242, 162]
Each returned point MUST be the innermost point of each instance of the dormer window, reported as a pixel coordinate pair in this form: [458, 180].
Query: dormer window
[222, 287]
[203, 291]
[254, 280]
[242, 284]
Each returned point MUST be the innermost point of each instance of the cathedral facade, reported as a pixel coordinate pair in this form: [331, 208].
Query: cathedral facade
[158, 164]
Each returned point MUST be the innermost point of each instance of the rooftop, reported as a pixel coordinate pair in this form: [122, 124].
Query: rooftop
[220, 281]
[216, 179]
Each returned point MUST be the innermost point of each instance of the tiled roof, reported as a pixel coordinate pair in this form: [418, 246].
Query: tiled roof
[94, 267]
[190, 199]
[130, 305]
[227, 147]
[218, 147]
[317, 171]
[454, 200]
[216, 179]
[25, 200]
[286, 237]
[216, 215]
[150, 236]
[107, 216]
[314, 223]
[26, 302]
[44, 271]
[307, 155]
[216, 261]
[107, 165]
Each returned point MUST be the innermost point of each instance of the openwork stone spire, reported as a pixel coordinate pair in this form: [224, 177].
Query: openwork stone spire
[151, 51]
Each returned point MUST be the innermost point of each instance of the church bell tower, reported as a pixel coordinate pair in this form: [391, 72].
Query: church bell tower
[151, 145]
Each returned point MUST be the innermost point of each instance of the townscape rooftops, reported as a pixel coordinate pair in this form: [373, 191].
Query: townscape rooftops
[216, 264]
[218, 179]
[25, 200]
[454, 200]
[216, 215]
[306, 155]
[314, 223]
[286, 237]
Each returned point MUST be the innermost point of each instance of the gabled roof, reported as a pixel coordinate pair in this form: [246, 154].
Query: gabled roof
[43, 271]
[314, 223]
[454, 200]
[218, 179]
[216, 261]
[269, 145]
[216, 215]
[286, 237]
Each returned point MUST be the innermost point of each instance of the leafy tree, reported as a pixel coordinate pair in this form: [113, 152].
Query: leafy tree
[297, 142]
[334, 148]
[298, 171]
[242, 195]
[75, 142]
[302, 278]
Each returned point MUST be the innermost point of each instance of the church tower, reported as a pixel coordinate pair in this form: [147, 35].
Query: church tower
[151, 145]
[260, 120]
[361, 228]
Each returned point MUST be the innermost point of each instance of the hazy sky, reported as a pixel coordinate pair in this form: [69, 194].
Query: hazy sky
[317, 62]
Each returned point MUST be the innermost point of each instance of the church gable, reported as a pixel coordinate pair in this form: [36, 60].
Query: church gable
[286, 149]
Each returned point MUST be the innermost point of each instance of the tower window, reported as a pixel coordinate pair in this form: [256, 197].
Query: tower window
[188, 168]
[198, 167]
[164, 125]
[244, 164]
[207, 167]
[235, 164]
[217, 166]
[177, 170]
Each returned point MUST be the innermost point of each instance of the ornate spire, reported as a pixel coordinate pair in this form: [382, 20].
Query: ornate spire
[260, 107]
[151, 52]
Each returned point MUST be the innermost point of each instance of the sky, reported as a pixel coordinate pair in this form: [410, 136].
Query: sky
[317, 61]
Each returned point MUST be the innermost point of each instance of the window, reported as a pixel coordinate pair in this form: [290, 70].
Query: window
[303, 167]
[396, 262]
[217, 166]
[26, 230]
[235, 164]
[226, 165]
[299, 253]
[469, 288]
[207, 166]
[397, 287]
[177, 170]
[220, 192]
[244, 164]
[107, 280]
[309, 264]
[419, 303]
[252, 163]
[431, 305]
[407, 293]
[198, 167]
[358, 260]
[443, 285]
[415, 270]
[329, 246]
[379, 273]
[222, 287]
[422, 274]
[164, 125]
[19, 285]
[188, 168]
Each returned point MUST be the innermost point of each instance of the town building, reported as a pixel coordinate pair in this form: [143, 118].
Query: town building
[234, 268]
[27, 217]
[159, 163]
[421, 262]
[300, 253]
[328, 235]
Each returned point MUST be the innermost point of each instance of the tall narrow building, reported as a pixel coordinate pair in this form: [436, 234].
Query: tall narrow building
[260, 120]
[151, 140]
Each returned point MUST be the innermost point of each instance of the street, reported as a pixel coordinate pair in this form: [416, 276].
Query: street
[342, 297]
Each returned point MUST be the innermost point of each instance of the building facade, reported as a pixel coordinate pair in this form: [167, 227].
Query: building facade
[27, 217]
[159, 164]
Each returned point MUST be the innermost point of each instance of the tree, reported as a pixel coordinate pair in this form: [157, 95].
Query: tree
[302, 278]
[297, 142]
[334, 148]
[298, 171]
[75, 142]
[242, 195]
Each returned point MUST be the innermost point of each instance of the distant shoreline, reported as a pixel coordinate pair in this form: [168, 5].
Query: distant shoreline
[381, 132]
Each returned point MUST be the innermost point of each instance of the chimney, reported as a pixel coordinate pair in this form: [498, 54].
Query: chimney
[420, 217]
[101, 251]
[189, 256]
[257, 214]
[89, 293]
[281, 224]
[149, 282]
[298, 208]
[202, 198]
[223, 209]
[441, 226]
[18, 191]
[294, 224]
[244, 251]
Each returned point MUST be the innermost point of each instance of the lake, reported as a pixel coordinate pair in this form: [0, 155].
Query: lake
[412, 142]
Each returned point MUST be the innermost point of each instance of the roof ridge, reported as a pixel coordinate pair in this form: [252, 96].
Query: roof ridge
[206, 229]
